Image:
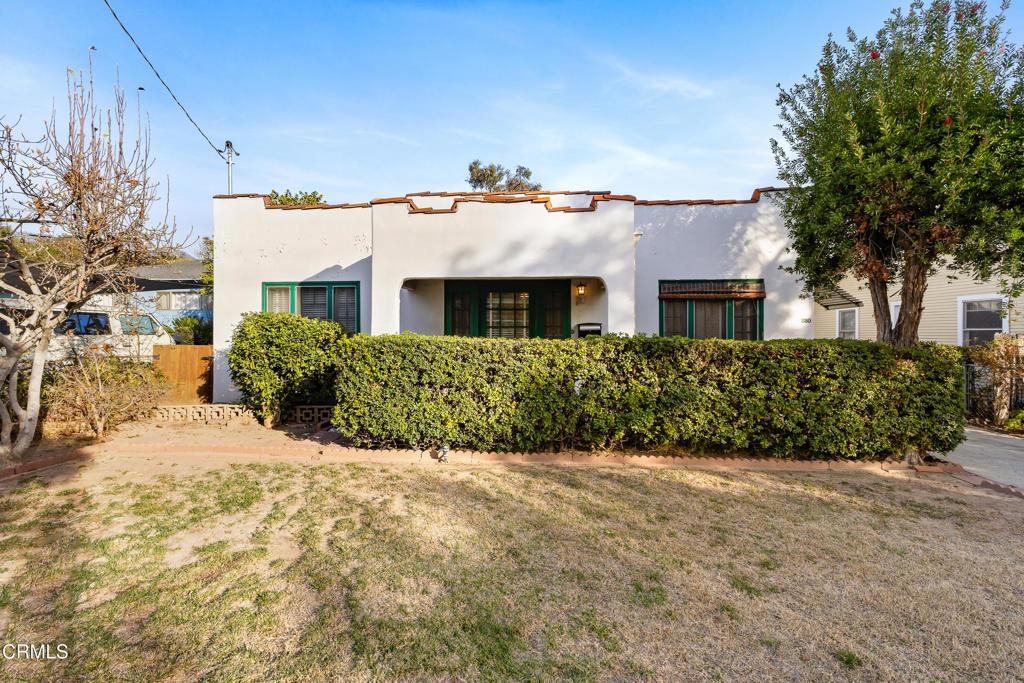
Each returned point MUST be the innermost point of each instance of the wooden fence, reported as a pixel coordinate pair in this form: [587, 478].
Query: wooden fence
[189, 370]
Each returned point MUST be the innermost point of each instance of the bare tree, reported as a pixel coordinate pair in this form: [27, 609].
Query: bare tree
[88, 189]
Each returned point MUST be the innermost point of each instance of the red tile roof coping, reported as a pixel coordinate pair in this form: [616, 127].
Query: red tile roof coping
[755, 197]
[532, 197]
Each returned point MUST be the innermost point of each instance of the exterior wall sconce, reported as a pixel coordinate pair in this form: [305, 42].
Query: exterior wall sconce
[581, 292]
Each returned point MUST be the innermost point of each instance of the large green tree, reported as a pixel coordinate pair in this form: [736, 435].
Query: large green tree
[497, 178]
[904, 152]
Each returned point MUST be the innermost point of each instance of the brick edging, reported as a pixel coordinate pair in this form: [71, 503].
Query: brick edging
[40, 464]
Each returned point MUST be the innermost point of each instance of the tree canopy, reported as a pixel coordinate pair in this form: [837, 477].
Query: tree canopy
[84, 189]
[903, 152]
[300, 197]
[206, 256]
[497, 178]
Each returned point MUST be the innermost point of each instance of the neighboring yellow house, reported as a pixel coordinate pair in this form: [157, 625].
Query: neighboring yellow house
[957, 310]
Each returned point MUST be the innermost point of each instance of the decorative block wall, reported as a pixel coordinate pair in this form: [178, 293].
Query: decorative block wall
[211, 412]
[308, 415]
[226, 412]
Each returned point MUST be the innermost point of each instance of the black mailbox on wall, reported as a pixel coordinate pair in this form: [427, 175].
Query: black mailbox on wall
[588, 330]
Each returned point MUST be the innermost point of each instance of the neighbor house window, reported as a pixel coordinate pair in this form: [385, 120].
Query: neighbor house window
[712, 309]
[846, 323]
[982, 320]
[182, 301]
[337, 301]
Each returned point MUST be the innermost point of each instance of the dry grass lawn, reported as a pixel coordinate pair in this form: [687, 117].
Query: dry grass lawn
[296, 571]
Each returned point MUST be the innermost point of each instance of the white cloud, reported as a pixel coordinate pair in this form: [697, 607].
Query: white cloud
[659, 83]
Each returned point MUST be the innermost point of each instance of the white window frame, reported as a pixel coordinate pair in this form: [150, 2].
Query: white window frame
[856, 321]
[961, 300]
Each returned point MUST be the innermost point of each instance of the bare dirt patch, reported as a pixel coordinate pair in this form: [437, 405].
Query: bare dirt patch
[245, 567]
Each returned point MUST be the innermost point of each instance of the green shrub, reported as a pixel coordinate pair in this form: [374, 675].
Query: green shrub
[822, 398]
[279, 360]
[1016, 422]
[191, 329]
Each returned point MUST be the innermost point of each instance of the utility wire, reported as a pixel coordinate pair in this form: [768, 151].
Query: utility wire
[160, 78]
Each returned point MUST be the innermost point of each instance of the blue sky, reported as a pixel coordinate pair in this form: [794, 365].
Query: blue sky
[363, 100]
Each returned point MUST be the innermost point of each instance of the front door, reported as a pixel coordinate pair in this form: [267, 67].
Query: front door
[507, 309]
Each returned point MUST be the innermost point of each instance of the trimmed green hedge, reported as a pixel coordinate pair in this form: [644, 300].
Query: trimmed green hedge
[791, 398]
[279, 360]
[822, 398]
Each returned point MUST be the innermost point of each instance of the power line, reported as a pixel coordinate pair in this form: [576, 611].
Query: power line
[160, 78]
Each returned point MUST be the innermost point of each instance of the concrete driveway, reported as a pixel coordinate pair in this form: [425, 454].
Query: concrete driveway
[994, 456]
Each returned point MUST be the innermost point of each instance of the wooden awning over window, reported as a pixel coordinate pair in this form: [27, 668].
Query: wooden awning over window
[834, 297]
[712, 289]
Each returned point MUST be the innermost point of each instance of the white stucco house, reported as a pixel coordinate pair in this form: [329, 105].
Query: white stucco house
[540, 264]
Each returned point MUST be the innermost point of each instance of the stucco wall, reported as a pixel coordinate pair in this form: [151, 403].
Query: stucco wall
[422, 304]
[493, 240]
[620, 250]
[939, 318]
[253, 245]
[730, 241]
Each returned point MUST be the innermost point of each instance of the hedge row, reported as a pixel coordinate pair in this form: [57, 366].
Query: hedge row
[822, 398]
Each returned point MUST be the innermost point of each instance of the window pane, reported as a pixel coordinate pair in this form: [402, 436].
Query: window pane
[507, 315]
[279, 299]
[345, 308]
[163, 301]
[674, 312]
[554, 314]
[137, 324]
[708, 319]
[744, 319]
[85, 323]
[847, 324]
[313, 302]
[983, 315]
[186, 301]
[977, 337]
[461, 314]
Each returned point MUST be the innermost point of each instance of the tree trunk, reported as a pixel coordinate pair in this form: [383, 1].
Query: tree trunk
[29, 419]
[879, 290]
[915, 282]
[7, 366]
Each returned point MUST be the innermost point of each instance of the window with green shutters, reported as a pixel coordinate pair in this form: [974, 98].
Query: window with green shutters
[337, 301]
[711, 309]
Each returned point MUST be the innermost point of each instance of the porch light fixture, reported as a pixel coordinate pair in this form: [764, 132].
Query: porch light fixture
[581, 292]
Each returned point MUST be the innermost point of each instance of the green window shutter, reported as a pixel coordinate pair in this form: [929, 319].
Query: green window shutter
[344, 307]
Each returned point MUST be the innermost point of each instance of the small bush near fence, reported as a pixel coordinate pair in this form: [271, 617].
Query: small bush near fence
[827, 399]
[101, 391]
[279, 360]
